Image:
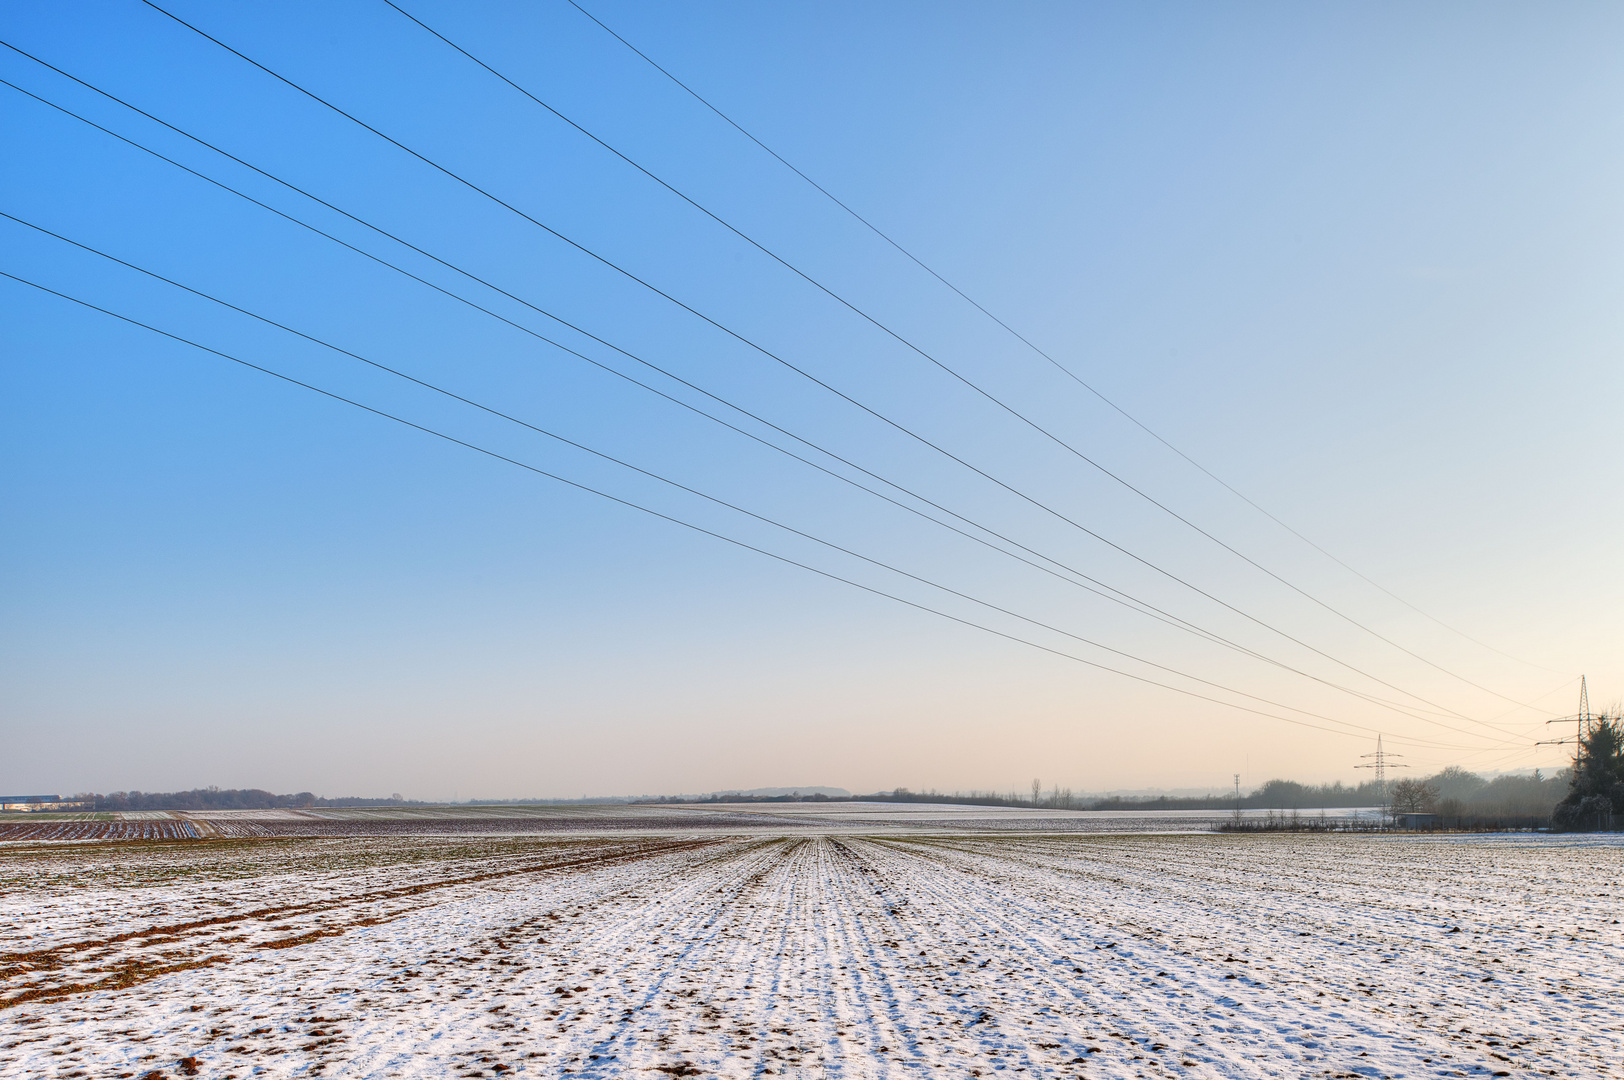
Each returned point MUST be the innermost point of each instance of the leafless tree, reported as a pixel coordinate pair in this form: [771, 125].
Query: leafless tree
[1409, 796]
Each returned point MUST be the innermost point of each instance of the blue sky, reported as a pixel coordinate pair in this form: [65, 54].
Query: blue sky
[1361, 261]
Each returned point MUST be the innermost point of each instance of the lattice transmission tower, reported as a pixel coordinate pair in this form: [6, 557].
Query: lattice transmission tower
[1586, 721]
[1382, 761]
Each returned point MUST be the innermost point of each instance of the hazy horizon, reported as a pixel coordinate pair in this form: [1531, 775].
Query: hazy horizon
[1017, 790]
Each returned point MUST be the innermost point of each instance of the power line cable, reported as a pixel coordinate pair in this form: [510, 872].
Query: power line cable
[1104, 591]
[690, 490]
[678, 521]
[801, 371]
[957, 375]
[1041, 352]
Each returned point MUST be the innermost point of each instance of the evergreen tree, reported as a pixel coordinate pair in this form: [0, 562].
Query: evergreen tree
[1595, 798]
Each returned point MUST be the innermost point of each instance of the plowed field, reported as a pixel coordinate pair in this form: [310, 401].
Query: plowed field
[813, 955]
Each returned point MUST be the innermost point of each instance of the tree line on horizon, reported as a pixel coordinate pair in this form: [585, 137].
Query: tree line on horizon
[213, 798]
[1459, 792]
[1466, 796]
[1589, 797]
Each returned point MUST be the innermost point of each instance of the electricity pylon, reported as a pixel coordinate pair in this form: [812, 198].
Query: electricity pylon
[1584, 718]
[1383, 762]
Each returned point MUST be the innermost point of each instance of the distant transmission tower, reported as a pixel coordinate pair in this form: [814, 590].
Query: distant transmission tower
[1383, 761]
[1584, 718]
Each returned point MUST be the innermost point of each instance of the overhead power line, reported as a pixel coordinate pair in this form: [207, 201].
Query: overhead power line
[1086, 582]
[676, 520]
[1079, 380]
[691, 490]
[959, 376]
[804, 373]
[1105, 591]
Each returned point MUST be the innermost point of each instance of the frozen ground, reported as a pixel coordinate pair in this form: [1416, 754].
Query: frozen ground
[814, 954]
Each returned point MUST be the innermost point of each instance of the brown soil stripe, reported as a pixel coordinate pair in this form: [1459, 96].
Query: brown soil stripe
[130, 976]
[56, 957]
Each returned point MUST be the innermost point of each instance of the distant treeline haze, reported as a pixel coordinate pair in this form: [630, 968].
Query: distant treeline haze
[1461, 797]
[1458, 792]
[218, 799]
[1454, 793]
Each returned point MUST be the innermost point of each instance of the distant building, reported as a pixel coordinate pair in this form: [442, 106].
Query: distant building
[28, 803]
[1415, 821]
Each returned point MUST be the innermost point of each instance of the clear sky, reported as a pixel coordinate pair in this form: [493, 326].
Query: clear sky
[1361, 261]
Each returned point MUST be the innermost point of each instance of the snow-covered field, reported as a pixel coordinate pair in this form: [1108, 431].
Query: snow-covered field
[814, 953]
[620, 818]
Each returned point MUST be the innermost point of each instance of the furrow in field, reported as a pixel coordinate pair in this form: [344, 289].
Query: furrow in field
[122, 960]
[1284, 988]
[844, 956]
